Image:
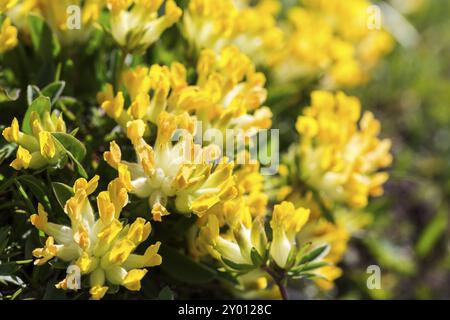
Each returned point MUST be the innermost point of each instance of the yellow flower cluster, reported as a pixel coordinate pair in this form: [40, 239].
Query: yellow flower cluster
[8, 36]
[214, 24]
[38, 148]
[18, 12]
[244, 247]
[71, 20]
[101, 247]
[331, 38]
[228, 93]
[136, 24]
[183, 171]
[339, 154]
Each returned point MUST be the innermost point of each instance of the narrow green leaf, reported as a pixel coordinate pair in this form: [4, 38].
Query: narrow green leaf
[309, 266]
[62, 192]
[78, 165]
[71, 144]
[24, 195]
[432, 233]
[16, 294]
[54, 90]
[302, 251]
[314, 254]
[238, 266]
[256, 257]
[36, 187]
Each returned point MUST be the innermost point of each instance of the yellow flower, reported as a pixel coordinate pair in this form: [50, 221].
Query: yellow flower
[98, 292]
[331, 37]
[240, 242]
[327, 275]
[136, 24]
[46, 253]
[113, 105]
[209, 24]
[235, 247]
[340, 155]
[37, 149]
[6, 5]
[173, 170]
[286, 223]
[18, 11]
[8, 36]
[228, 94]
[23, 159]
[47, 146]
[102, 247]
[68, 26]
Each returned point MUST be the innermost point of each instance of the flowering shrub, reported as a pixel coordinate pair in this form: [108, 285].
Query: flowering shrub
[172, 109]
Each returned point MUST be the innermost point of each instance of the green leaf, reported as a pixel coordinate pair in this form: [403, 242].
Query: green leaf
[71, 144]
[308, 275]
[78, 165]
[309, 266]
[16, 294]
[390, 255]
[40, 105]
[62, 192]
[36, 187]
[238, 266]
[183, 268]
[54, 90]
[25, 197]
[256, 257]
[432, 233]
[314, 254]
[302, 251]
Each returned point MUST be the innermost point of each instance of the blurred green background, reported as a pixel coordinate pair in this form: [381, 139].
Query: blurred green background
[410, 95]
[410, 238]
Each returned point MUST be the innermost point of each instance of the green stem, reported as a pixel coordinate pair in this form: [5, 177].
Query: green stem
[122, 55]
